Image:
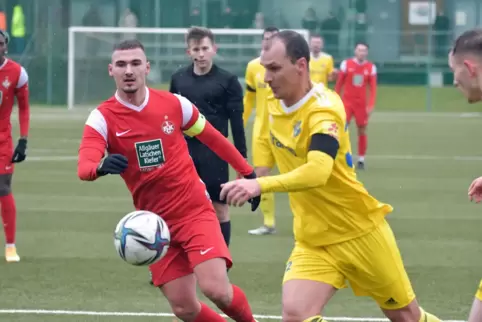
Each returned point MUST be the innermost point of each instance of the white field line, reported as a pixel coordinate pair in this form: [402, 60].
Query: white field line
[142, 314]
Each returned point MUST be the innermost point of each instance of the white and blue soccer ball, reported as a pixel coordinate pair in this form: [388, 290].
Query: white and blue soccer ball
[142, 238]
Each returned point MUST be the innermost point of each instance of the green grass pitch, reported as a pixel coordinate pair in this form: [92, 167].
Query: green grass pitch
[421, 163]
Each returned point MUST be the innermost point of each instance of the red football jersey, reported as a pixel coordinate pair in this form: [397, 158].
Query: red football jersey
[13, 83]
[161, 175]
[354, 79]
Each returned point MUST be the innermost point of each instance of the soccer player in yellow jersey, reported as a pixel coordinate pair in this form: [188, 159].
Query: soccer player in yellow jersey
[322, 67]
[340, 230]
[465, 60]
[256, 93]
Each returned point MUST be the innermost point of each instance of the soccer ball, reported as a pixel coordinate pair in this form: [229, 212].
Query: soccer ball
[141, 238]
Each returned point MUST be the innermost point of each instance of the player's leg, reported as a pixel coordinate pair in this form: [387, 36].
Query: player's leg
[361, 117]
[310, 281]
[173, 275]
[476, 310]
[209, 255]
[375, 268]
[8, 211]
[263, 162]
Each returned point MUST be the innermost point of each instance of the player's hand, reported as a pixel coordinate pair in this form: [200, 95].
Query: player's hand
[20, 152]
[238, 192]
[112, 164]
[256, 200]
[475, 190]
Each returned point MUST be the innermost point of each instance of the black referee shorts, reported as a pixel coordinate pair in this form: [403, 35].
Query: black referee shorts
[212, 170]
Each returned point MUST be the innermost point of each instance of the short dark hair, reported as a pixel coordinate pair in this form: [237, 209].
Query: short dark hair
[270, 29]
[361, 43]
[296, 45]
[199, 33]
[129, 44]
[469, 42]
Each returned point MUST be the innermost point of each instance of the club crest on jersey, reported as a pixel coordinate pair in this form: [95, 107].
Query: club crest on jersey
[297, 129]
[150, 154]
[168, 127]
[6, 83]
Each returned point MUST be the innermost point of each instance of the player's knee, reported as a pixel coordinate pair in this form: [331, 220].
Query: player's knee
[220, 293]
[411, 312]
[186, 311]
[362, 130]
[5, 185]
[293, 312]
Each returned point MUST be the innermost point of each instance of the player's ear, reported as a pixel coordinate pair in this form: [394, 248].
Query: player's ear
[470, 67]
[110, 70]
[148, 67]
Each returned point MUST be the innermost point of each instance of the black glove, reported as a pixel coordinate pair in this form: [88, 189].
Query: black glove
[112, 164]
[20, 152]
[256, 200]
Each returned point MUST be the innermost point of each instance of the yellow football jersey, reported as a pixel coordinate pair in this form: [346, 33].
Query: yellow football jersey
[255, 82]
[342, 209]
[321, 68]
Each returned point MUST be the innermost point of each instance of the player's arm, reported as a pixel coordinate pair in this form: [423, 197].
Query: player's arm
[331, 69]
[372, 89]
[234, 107]
[340, 80]
[90, 164]
[194, 124]
[249, 95]
[322, 152]
[22, 95]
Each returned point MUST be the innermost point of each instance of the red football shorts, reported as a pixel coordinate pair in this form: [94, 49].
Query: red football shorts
[357, 110]
[6, 154]
[192, 242]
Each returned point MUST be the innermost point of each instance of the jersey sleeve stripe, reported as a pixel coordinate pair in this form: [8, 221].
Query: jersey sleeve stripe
[186, 108]
[343, 66]
[97, 121]
[374, 70]
[23, 79]
[249, 88]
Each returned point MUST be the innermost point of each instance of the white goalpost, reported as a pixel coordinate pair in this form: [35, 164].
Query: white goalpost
[90, 48]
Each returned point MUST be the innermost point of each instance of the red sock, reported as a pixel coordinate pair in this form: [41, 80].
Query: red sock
[362, 145]
[208, 315]
[9, 217]
[239, 310]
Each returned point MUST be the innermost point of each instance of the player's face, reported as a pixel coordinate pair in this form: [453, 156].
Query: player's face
[316, 45]
[129, 69]
[467, 77]
[282, 75]
[201, 52]
[361, 52]
[3, 46]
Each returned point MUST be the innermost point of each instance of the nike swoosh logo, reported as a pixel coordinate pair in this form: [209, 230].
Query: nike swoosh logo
[122, 133]
[204, 252]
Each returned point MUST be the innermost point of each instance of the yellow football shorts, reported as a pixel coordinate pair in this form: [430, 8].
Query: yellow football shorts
[262, 155]
[479, 292]
[372, 264]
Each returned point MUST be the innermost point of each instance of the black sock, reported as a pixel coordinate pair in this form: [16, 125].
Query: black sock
[226, 230]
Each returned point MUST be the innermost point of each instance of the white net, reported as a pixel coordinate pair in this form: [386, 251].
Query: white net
[90, 51]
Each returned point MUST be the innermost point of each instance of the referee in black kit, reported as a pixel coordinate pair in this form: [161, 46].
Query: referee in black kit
[219, 97]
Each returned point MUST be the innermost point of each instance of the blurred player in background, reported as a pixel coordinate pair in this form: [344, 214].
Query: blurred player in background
[219, 97]
[322, 66]
[357, 75]
[13, 83]
[257, 91]
[465, 60]
[340, 230]
[142, 131]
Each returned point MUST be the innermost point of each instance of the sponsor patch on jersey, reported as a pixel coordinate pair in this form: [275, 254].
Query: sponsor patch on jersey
[150, 154]
[330, 128]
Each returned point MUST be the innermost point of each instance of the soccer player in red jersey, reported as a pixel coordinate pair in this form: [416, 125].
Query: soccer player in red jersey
[143, 130]
[356, 76]
[13, 84]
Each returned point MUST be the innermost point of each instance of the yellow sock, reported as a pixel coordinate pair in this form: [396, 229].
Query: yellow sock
[267, 208]
[427, 317]
[317, 318]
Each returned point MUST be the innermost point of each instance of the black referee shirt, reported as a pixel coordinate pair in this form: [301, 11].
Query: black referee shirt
[218, 96]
